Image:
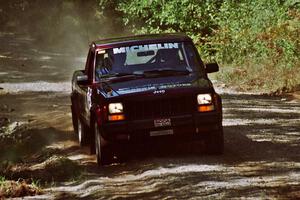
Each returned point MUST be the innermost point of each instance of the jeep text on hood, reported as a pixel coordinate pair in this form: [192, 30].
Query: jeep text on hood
[142, 89]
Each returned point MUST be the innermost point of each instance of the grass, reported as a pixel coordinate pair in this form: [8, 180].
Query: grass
[55, 169]
[2, 180]
[264, 78]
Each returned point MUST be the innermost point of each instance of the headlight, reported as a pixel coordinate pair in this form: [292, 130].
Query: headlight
[204, 99]
[114, 108]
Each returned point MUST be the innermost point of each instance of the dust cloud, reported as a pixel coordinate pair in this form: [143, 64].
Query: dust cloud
[46, 41]
[60, 26]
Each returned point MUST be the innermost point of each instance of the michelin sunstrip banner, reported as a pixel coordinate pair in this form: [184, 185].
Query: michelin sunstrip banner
[146, 47]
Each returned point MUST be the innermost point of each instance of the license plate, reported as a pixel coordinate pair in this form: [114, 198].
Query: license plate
[161, 132]
[162, 122]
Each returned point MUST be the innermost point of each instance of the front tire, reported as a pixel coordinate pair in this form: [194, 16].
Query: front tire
[82, 133]
[103, 152]
[74, 119]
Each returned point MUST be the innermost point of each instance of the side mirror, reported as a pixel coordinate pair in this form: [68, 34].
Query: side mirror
[212, 67]
[82, 79]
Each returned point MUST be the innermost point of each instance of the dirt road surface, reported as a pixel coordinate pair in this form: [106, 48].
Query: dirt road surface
[262, 146]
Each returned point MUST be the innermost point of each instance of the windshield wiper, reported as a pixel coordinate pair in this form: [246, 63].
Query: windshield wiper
[121, 76]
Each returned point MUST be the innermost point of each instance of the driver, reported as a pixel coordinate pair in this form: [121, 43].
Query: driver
[103, 65]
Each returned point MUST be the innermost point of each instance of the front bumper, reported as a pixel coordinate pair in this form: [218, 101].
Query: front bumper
[184, 127]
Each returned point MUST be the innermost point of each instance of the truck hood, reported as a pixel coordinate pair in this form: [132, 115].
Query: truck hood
[113, 89]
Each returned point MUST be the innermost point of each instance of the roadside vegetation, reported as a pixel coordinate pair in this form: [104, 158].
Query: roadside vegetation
[20, 188]
[256, 42]
[26, 171]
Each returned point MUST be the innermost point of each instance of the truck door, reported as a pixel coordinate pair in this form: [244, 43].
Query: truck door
[85, 91]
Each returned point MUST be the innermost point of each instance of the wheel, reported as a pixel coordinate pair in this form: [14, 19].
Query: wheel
[74, 119]
[92, 137]
[215, 143]
[82, 133]
[103, 152]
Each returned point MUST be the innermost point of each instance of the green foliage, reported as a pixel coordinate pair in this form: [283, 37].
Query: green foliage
[2, 180]
[262, 38]
[196, 18]
[36, 183]
[251, 29]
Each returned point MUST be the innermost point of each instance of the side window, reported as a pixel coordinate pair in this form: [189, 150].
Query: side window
[194, 58]
[103, 64]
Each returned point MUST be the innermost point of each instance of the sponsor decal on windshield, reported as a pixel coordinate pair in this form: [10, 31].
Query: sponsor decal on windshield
[146, 47]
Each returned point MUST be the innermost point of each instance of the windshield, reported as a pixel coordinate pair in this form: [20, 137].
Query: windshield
[177, 57]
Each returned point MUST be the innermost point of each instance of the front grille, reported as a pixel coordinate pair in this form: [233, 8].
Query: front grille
[156, 108]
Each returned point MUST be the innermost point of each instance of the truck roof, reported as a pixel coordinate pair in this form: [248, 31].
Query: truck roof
[135, 39]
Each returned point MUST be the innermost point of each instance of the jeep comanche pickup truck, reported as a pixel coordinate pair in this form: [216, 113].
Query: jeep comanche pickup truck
[141, 89]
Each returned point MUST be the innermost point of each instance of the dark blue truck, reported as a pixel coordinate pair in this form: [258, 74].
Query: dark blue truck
[142, 89]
